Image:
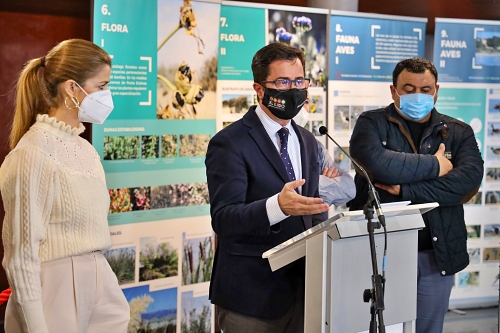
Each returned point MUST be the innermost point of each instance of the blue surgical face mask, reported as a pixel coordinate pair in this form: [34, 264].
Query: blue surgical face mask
[416, 106]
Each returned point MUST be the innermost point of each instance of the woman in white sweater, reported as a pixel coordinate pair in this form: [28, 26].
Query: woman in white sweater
[56, 200]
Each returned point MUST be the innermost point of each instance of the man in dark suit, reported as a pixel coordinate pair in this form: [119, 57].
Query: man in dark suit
[262, 176]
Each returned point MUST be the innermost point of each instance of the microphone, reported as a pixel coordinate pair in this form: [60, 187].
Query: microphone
[372, 193]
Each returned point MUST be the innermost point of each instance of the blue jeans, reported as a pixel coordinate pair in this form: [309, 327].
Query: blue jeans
[433, 294]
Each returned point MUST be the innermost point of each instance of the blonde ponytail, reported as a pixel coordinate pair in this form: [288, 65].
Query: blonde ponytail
[39, 91]
[29, 101]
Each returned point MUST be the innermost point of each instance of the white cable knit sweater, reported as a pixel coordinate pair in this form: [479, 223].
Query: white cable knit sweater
[56, 205]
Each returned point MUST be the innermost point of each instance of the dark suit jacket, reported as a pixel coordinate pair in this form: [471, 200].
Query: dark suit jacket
[244, 169]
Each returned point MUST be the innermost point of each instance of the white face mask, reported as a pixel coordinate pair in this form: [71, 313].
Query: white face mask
[96, 107]
[301, 117]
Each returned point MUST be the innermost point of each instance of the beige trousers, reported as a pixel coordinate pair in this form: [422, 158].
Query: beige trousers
[80, 294]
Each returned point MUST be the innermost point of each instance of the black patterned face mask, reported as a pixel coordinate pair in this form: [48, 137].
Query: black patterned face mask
[284, 104]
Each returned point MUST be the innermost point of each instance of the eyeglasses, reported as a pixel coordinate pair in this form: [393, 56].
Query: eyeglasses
[285, 84]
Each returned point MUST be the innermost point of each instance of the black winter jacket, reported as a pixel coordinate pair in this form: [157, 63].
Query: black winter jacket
[381, 143]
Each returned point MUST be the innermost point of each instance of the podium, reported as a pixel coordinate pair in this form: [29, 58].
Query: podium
[339, 268]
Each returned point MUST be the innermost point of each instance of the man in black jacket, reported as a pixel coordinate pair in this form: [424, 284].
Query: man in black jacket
[412, 152]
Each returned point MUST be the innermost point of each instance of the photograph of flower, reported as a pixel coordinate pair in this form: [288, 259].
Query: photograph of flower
[140, 197]
[188, 35]
[121, 147]
[306, 31]
[150, 146]
[122, 262]
[197, 259]
[194, 144]
[468, 279]
[157, 261]
[152, 311]
[196, 313]
[232, 103]
[119, 200]
[316, 104]
[169, 145]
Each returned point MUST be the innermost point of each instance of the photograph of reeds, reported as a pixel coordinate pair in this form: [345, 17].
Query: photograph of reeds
[122, 262]
[169, 145]
[196, 313]
[121, 147]
[197, 259]
[152, 311]
[194, 144]
[157, 260]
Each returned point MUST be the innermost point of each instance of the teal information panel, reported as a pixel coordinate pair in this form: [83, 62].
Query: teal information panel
[120, 29]
[466, 104]
[239, 41]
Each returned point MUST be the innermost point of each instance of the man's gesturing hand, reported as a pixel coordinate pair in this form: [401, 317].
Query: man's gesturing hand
[292, 203]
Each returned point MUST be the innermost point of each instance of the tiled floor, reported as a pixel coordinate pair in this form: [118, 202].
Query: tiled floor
[474, 321]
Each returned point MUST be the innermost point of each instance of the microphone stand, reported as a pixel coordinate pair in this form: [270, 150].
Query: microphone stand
[376, 294]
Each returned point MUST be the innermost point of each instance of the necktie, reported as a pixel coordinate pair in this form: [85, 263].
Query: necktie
[283, 135]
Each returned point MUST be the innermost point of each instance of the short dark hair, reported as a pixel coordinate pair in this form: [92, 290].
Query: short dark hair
[413, 65]
[270, 53]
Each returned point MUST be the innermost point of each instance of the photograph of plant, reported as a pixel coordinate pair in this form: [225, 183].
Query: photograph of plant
[122, 262]
[197, 259]
[187, 59]
[169, 145]
[157, 261]
[194, 194]
[232, 103]
[150, 146]
[140, 197]
[196, 313]
[177, 195]
[194, 144]
[119, 200]
[306, 31]
[152, 311]
[160, 196]
[121, 147]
